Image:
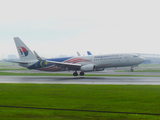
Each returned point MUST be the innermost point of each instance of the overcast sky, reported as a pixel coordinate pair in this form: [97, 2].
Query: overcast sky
[63, 27]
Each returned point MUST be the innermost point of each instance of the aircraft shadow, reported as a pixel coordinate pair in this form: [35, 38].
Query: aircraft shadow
[78, 78]
[59, 78]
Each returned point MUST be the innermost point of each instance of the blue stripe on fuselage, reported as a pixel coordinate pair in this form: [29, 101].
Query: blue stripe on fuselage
[41, 64]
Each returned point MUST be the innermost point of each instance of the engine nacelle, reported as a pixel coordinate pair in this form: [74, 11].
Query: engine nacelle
[87, 68]
[99, 69]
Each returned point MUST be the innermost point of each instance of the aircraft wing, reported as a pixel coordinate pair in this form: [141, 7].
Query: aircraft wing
[64, 64]
[61, 64]
[18, 62]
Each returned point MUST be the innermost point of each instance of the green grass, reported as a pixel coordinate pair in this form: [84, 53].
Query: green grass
[150, 70]
[153, 70]
[149, 66]
[8, 65]
[118, 98]
[9, 69]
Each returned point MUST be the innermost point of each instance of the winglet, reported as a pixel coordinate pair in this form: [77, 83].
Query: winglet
[78, 54]
[37, 56]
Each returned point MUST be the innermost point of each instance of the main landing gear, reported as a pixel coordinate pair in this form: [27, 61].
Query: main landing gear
[81, 73]
[76, 74]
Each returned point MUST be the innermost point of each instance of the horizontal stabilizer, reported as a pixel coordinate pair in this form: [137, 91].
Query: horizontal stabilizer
[18, 62]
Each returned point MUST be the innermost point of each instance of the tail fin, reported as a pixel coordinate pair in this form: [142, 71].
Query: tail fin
[24, 52]
[78, 54]
[89, 53]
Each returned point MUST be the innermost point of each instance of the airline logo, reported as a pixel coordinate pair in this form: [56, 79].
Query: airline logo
[23, 51]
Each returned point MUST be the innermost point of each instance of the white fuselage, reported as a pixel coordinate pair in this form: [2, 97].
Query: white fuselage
[88, 63]
[112, 60]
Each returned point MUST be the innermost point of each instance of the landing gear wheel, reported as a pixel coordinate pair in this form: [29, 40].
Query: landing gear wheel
[75, 74]
[81, 73]
[131, 70]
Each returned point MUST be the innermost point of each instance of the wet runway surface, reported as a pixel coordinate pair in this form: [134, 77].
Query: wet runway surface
[81, 80]
[107, 72]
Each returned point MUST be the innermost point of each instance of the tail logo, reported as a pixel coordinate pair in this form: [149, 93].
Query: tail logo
[23, 51]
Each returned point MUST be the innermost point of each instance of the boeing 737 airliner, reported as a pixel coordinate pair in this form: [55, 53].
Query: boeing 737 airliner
[83, 64]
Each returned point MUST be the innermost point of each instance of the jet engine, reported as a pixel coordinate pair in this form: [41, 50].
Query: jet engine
[87, 68]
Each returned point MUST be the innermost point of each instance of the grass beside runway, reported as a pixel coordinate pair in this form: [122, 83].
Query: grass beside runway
[152, 70]
[116, 98]
[149, 66]
[33, 74]
[13, 69]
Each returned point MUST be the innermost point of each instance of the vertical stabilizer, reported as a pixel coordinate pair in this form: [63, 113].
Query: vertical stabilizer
[89, 53]
[78, 54]
[24, 52]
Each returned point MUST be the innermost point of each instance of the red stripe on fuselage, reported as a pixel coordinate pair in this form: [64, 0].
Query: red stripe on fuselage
[50, 67]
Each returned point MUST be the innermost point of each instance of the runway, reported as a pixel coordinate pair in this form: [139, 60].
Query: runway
[106, 72]
[81, 80]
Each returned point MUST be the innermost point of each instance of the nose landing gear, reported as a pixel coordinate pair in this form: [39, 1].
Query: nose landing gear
[131, 69]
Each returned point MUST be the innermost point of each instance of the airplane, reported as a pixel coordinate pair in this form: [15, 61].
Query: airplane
[32, 60]
[89, 53]
[78, 54]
